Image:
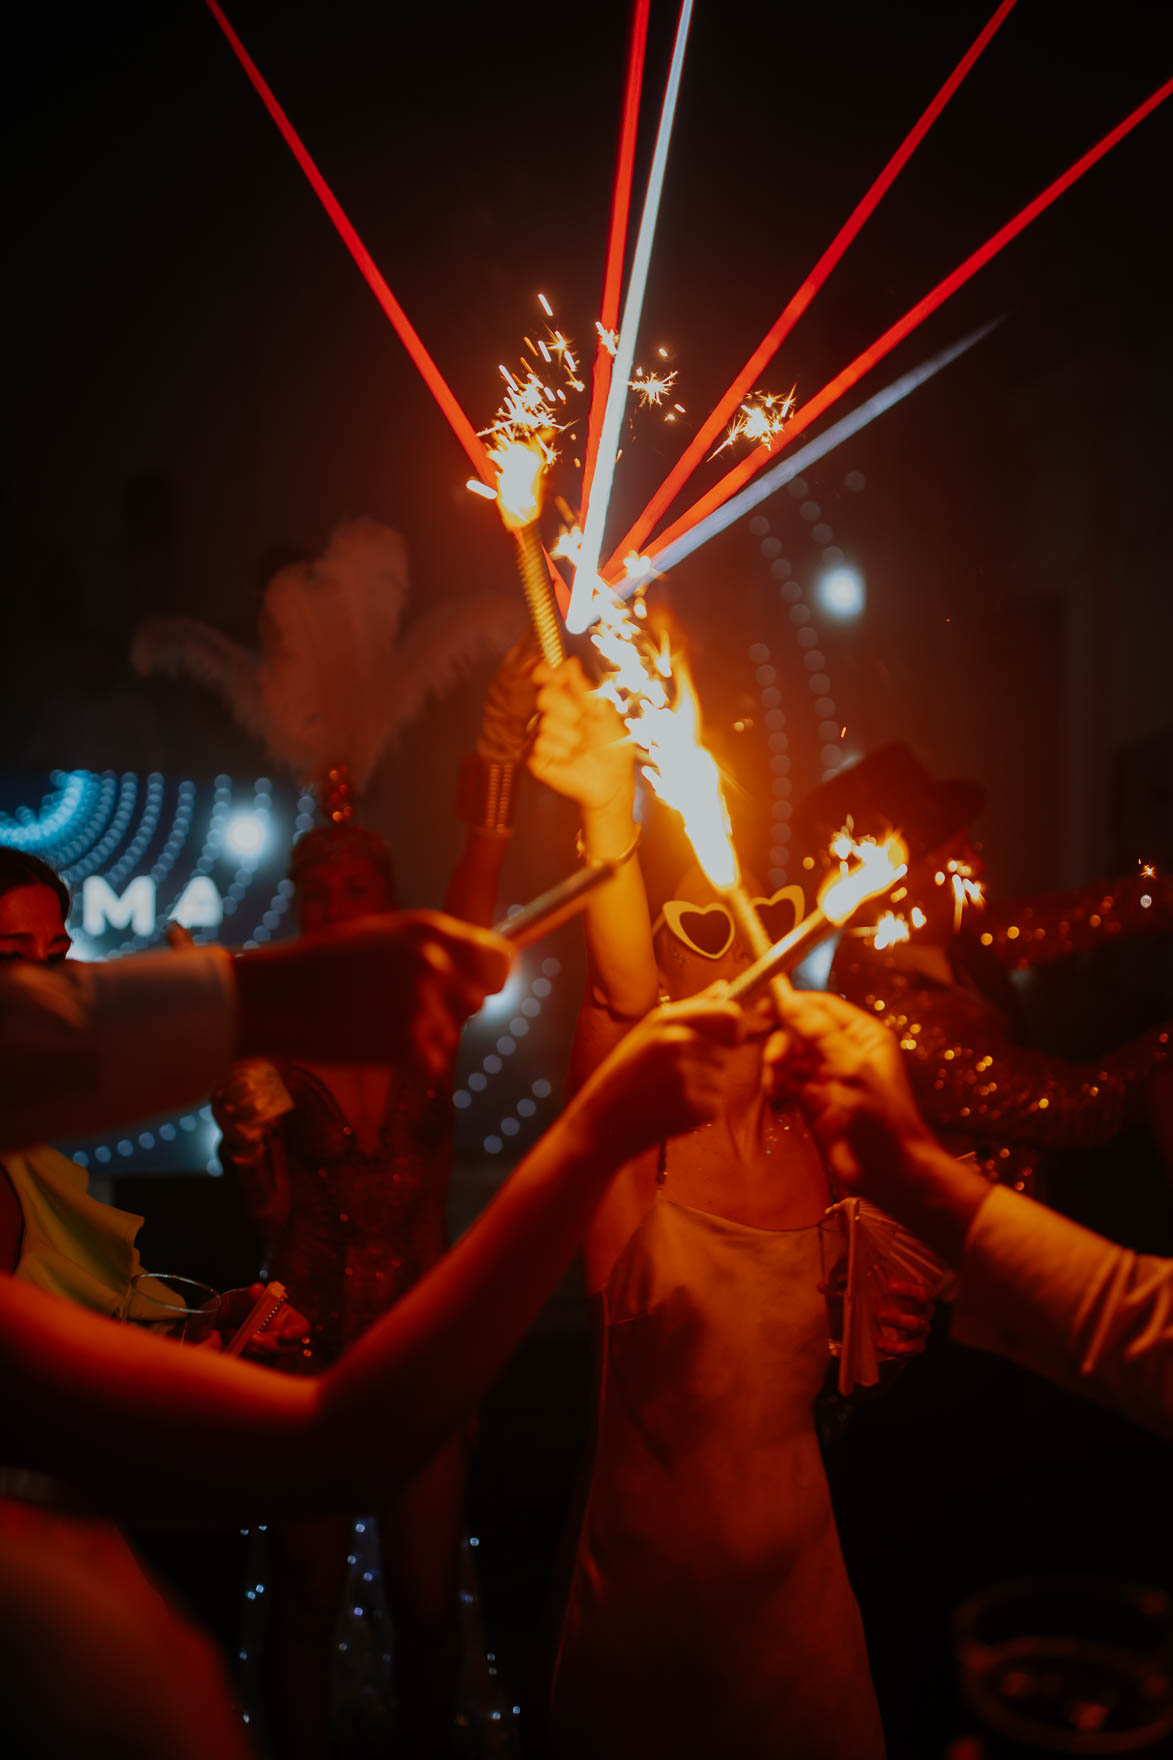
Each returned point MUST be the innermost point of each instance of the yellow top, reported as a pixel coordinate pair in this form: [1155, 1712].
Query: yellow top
[71, 1245]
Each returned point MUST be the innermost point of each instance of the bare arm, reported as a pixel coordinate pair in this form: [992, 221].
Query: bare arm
[87, 1047]
[582, 751]
[475, 880]
[136, 1421]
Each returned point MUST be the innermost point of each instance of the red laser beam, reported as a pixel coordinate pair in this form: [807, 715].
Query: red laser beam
[768, 347]
[620, 214]
[432, 376]
[863, 363]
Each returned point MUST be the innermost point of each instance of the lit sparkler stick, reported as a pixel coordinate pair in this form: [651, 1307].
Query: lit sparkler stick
[433, 378]
[554, 907]
[878, 868]
[863, 363]
[682, 772]
[757, 363]
[594, 521]
[613, 274]
[520, 465]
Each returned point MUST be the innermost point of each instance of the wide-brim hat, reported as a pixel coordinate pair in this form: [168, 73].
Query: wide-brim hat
[888, 790]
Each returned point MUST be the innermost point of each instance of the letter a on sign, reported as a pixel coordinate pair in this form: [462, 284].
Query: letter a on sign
[200, 906]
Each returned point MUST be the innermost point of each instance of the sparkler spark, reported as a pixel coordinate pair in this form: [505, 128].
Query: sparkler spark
[890, 929]
[760, 419]
[609, 339]
[652, 388]
[665, 725]
[877, 865]
[959, 877]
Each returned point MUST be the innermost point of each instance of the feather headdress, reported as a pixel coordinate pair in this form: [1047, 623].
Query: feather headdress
[334, 683]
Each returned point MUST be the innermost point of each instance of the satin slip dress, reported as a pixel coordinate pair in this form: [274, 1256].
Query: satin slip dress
[709, 1612]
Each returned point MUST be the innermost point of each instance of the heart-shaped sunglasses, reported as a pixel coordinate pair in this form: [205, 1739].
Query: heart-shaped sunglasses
[709, 929]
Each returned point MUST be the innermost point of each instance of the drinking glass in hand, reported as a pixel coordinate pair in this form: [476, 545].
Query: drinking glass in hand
[173, 1307]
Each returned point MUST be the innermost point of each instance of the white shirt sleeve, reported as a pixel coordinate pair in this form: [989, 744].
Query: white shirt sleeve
[88, 1047]
[1053, 1296]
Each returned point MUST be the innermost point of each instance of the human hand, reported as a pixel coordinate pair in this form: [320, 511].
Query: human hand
[845, 1071]
[389, 989]
[284, 1336]
[581, 749]
[253, 1096]
[903, 1319]
[510, 704]
[666, 1076]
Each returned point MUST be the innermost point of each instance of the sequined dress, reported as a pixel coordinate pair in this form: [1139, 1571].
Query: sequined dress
[976, 1086]
[359, 1229]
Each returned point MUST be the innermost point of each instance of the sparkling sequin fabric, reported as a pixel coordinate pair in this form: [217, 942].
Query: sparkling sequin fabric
[359, 1229]
[978, 1088]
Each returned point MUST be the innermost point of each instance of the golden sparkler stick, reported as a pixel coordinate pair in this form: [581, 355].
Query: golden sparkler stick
[519, 469]
[753, 932]
[555, 906]
[539, 593]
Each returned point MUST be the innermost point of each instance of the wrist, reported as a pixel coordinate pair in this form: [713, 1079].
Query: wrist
[487, 792]
[607, 828]
[586, 1142]
[940, 1196]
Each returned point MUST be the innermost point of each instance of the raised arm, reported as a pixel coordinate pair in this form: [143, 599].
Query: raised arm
[93, 1401]
[581, 751]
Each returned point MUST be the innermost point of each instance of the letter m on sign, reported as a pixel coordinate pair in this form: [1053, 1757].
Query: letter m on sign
[102, 908]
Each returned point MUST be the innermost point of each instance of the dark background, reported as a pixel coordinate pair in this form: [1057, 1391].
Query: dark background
[201, 385]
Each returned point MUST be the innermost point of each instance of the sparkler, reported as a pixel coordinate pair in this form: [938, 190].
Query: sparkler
[554, 907]
[878, 868]
[520, 465]
[679, 769]
[623, 344]
[652, 388]
[762, 418]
